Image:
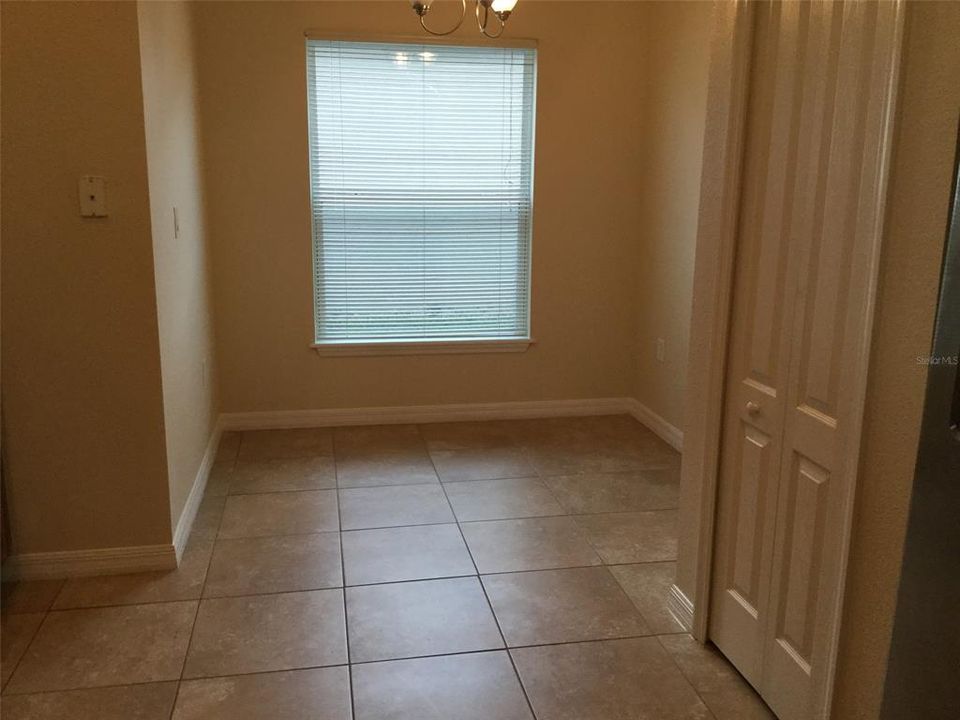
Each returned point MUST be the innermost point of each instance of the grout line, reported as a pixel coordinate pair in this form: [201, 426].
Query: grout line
[36, 632]
[267, 593]
[483, 589]
[356, 662]
[203, 585]
[320, 588]
[508, 648]
[673, 661]
[343, 577]
[33, 637]
[84, 688]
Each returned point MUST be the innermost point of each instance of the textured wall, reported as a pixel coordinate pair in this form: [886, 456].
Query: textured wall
[587, 213]
[677, 58]
[181, 263]
[85, 465]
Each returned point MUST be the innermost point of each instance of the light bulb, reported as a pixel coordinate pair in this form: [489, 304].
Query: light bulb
[503, 7]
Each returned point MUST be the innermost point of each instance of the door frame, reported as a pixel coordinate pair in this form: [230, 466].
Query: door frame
[720, 190]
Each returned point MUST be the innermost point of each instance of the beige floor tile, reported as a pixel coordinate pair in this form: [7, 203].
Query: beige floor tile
[632, 537]
[16, 632]
[218, 482]
[106, 646]
[615, 443]
[404, 553]
[571, 459]
[150, 701]
[283, 475]
[250, 566]
[470, 435]
[530, 544]
[288, 513]
[29, 596]
[482, 464]
[316, 694]
[616, 492]
[209, 514]
[607, 680]
[378, 470]
[478, 686]
[360, 440]
[556, 606]
[648, 585]
[427, 617]
[362, 508]
[273, 444]
[267, 632]
[721, 687]
[501, 499]
[228, 447]
[183, 583]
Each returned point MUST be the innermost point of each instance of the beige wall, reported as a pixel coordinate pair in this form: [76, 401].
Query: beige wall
[181, 268]
[677, 58]
[586, 218]
[921, 178]
[85, 465]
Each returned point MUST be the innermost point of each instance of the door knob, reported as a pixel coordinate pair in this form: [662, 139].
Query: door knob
[752, 407]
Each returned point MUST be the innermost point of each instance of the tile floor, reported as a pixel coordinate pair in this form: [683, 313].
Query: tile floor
[460, 571]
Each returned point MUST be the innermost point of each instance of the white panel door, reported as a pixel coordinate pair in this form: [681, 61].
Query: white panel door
[757, 361]
[806, 261]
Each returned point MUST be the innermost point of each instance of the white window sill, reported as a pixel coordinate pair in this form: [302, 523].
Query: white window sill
[422, 347]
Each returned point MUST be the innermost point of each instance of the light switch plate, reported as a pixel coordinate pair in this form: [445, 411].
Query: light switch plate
[92, 193]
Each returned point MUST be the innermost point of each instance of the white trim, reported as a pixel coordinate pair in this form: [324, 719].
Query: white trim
[680, 607]
[421, 347]
[189, 513]
[669, 433]
[455, 40]
[425, 413]
[725, 129]
[82, 563]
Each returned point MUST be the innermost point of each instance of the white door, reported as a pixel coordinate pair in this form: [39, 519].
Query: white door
[807, 244]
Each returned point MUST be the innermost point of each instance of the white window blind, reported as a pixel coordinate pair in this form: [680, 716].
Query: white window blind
[421, 177]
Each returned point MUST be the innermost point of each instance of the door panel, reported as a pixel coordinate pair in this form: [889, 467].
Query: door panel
[828, 357]
[820, 93]
[757, 375]
[805, 514]
[745, 561]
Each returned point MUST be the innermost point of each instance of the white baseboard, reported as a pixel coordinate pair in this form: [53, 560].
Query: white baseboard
[189, 513]
[670, 434]
[680, 607]
[119, 560]
[424, 413]
[82, 563]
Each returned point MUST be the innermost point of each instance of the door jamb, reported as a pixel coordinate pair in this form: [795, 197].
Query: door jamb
[724, 132]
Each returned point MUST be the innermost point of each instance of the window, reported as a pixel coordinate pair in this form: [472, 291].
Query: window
[421, 179]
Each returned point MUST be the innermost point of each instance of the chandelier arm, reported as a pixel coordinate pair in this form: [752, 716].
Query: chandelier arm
[482, 25]
[463, 14]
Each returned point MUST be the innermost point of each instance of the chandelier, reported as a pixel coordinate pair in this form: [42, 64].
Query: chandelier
[499, 8]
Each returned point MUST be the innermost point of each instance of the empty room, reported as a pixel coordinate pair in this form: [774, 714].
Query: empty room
[479, 360]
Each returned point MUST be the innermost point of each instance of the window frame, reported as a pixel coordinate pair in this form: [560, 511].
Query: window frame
[427, 346]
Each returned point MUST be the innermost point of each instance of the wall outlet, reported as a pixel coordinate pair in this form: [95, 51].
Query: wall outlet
[661, 350]
[92, 193]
